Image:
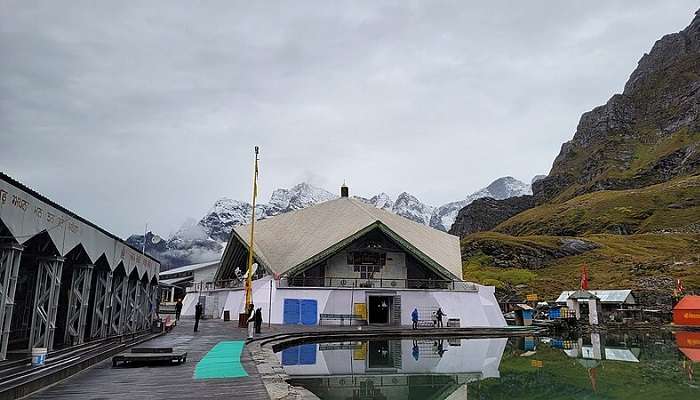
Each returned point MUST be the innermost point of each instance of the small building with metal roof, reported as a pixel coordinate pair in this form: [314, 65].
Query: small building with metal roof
[606, 297]
[175, 281]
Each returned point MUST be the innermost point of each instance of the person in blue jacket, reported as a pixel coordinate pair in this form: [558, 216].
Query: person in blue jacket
[414, 318]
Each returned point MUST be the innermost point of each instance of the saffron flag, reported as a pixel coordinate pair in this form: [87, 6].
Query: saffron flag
[584, 278]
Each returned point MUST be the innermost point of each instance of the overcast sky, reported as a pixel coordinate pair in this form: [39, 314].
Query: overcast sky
[134, 113]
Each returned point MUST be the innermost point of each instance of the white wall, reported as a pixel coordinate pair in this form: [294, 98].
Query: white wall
[474, 309]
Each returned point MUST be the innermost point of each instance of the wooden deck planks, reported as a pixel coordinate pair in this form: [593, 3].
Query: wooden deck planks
[168, 382]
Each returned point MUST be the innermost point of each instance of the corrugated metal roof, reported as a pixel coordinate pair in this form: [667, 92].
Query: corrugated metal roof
[191, 267]
[173, 281]
[605, 296]
[287, 241]
[688, 303]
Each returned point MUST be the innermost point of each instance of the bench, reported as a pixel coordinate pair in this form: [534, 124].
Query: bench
[150, 355]
[426, 317]
[338, 317]
[426, 323]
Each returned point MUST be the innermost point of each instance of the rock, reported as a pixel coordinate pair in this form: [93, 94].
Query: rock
[486, 213]
[529, 255]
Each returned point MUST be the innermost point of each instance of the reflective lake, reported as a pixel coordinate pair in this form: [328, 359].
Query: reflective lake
[630, 365]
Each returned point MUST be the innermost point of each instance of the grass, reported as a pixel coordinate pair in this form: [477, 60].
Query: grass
[631, 261]
[670, 206]
[479, 269]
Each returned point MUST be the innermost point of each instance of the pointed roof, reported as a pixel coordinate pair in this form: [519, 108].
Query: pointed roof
[688, 303]
[295, 240]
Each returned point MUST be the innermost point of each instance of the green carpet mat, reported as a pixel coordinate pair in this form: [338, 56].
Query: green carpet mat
[222, 361]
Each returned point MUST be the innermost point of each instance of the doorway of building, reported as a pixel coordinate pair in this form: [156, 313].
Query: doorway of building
[379, 309]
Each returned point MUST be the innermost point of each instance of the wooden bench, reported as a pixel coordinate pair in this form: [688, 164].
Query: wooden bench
[338, 317]
[150, 355]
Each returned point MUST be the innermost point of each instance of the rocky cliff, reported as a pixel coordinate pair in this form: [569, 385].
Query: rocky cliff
[621, 197]
[646, 135]
[486, 213]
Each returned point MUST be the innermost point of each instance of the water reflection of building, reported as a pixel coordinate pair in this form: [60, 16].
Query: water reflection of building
[596, 349]
[378, 369]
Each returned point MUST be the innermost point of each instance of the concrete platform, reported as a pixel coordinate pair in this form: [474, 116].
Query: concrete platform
[166, 382]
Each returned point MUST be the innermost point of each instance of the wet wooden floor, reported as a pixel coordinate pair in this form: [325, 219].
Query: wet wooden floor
[166, 382]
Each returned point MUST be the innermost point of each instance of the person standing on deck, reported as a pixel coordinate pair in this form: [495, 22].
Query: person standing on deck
[178, 309]
[251, 321]
[258, 319]
[198, 311]
[439, 314]
[414, 318]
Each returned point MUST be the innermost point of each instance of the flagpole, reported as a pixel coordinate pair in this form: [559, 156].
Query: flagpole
[249, 278]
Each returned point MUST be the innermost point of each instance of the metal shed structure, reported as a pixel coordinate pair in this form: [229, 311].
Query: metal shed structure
[63, 279]
[616, 297]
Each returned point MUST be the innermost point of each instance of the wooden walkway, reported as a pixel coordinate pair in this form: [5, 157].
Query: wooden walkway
[166, 382]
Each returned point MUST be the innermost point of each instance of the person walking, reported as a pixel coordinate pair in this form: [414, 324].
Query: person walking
[258, 319]
[414, 318]
[198, 311]
[439, 314]
[178, 309]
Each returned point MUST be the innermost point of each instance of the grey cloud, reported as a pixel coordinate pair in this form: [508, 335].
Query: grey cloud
[128, 112]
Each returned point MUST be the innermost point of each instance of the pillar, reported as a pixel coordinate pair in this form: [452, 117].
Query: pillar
[132, 303]
[48, 284]
[144, 302]
[155, 296]
[103, 305]
[10, 256]
[118, 310]
[172, 294]
[594, 311]
[78, 302]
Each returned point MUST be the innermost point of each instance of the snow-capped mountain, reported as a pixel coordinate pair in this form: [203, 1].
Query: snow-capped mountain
[410, 207]
[296, 198]
[502, 188]
[382, 200]
[204, 240]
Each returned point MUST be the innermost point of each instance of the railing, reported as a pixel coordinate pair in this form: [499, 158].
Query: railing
[360, 283]
[223, 284]
[334, 282]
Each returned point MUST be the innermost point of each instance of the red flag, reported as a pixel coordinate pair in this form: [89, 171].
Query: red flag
[584, 278]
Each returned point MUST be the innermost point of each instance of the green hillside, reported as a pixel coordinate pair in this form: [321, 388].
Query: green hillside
[672, 206]
[543, 264]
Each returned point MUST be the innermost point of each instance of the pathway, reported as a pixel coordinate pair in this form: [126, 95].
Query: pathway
[166, 382]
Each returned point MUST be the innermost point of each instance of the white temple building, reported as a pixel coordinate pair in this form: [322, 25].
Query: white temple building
[345, 259]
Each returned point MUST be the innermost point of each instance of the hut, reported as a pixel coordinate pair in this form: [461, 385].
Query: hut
[687, 311]
[524, 314]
